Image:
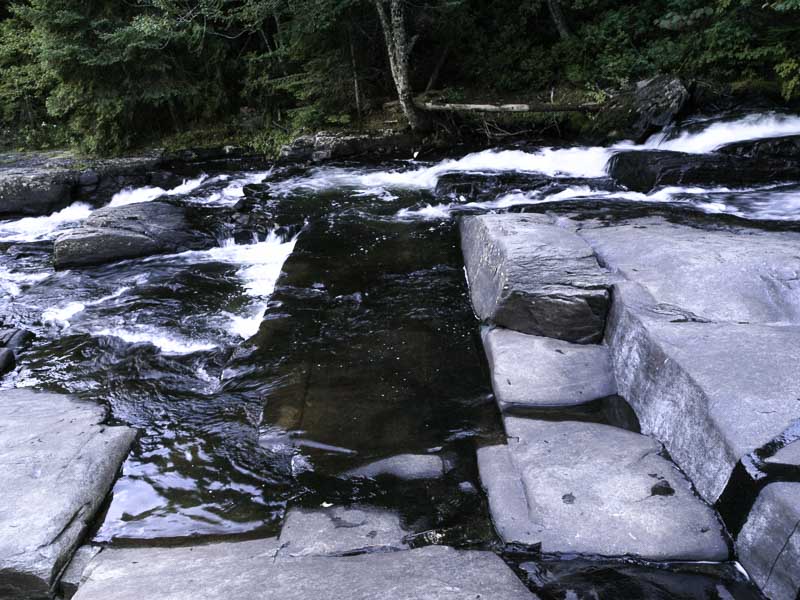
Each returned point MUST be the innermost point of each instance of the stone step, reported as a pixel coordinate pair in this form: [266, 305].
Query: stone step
[529, 275]
[533, 371]
[586, 488]
[58, 462]
[340, 530]
[254, 570]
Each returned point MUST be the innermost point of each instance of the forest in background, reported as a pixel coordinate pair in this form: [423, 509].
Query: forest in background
[105, 76]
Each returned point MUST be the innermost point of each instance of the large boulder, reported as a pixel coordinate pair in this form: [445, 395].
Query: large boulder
[532, 276]
[649, 107]
[131, 231]
[256, 570]
[645, 170]
[587, 488]
[23, 194]
[58, 462]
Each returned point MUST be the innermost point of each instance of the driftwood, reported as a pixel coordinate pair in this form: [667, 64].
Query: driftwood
[507, 108]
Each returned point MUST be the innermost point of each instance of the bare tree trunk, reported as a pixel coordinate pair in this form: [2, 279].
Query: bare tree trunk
[558, 18]
[356, 83]
[394, 32]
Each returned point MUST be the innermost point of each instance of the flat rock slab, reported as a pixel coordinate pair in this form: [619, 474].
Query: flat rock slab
[340, 530]
[58, 463]
[252, 570]
[403, 466]
[131, 231]
[593, 489]
[529, 370]
[769, 543]
[532, 276]
[736, 275]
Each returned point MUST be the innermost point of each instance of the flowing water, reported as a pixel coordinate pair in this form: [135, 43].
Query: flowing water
[253, 389]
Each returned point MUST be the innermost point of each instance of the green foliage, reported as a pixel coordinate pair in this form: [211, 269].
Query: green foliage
[106, 75]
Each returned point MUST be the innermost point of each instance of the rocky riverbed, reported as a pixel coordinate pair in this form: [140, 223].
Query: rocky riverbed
[561, 372]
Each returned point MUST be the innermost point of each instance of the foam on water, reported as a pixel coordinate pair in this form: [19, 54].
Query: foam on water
[33, 229]
[148, 193]
[166, 341]
[235, 190]
[14, 283]
[553, 162]
[260, 265]
[720, 133]
[61, 316]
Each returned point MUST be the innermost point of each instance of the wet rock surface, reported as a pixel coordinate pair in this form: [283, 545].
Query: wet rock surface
[254, 570]
[786, 147]
[644, 171]
[132, 231]
[58, 461]
[531, 276]
[340, 530]
[593, 489]
[529, 370]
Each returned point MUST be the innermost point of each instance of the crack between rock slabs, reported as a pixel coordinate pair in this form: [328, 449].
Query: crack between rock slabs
[78, 512]
[782, 550]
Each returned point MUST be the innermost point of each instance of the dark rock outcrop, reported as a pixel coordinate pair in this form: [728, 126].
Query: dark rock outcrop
[643, 171]
[785, 147]
[132, 231]
[636, 114]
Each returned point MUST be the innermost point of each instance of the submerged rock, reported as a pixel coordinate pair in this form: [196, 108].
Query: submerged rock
[644, 171]
[254, 570]
[131, 231]
[403, 466]
[7, 361]
[531, 276]
[58, 463]
[593, 489]
[340, 530]
[529, 370]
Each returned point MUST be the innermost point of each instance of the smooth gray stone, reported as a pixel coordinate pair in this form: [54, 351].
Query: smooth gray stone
[252, 570]
[131, 231]
[340, 530]
[594, 489]
[769, 543]
[736, 275]
[534, 277]
[73, 575]
[712, 392]
[35, 194]
[58, 463]
[529, 370]
[403, 466]
[788, 455]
